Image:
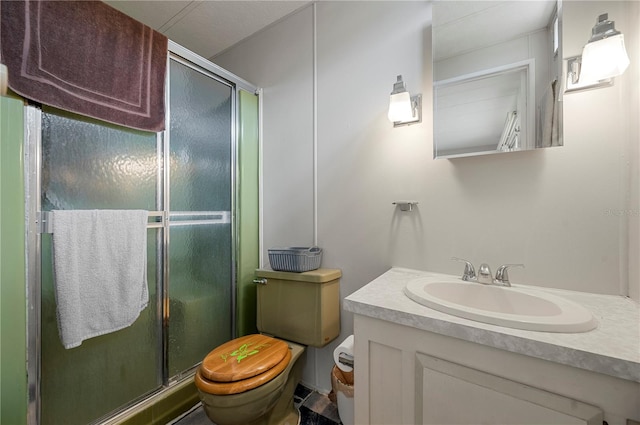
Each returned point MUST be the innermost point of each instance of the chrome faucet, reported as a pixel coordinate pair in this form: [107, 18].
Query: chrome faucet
[502, 277]
[469, 272]
[484, 273]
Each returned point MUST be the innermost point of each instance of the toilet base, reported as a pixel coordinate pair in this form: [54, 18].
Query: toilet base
[284, 412]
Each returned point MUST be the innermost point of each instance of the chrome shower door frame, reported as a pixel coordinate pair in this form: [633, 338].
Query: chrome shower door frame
[35, 226]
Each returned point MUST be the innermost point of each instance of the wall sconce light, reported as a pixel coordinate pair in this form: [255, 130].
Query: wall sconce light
[603, 57]
[404, 109]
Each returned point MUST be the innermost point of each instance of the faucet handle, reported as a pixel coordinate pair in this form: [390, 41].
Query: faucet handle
[469, 272]
[502, 276]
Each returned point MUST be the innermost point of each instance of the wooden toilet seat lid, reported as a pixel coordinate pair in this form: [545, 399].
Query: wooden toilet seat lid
[237, 387]
[243, 358]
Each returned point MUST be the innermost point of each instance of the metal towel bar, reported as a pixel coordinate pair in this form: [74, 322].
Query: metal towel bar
[44, 221]
[182, 218]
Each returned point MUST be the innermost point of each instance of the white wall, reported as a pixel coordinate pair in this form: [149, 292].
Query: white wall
[603, 120]
[279, 60]
[556, 210]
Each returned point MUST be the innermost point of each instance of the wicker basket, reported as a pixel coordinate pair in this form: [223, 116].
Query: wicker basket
[295, 259]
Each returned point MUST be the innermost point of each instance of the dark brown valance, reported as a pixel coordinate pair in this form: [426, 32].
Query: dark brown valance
[86, 57]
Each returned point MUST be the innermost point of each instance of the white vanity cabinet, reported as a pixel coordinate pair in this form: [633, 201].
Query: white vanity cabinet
[489, 399]
[417, 366]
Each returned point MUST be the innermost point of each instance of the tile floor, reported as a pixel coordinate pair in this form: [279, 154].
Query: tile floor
[315, 409]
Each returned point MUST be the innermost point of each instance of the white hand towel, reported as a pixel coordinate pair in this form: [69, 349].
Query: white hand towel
[100, 271]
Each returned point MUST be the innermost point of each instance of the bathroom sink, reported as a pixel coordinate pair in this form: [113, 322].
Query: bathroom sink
[513, 307]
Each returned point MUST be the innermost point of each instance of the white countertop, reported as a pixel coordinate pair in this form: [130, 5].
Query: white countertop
[613, 348]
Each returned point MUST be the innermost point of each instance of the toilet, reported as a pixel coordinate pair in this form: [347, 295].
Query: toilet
[250, 380]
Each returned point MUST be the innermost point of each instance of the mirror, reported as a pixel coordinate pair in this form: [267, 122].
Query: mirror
[497, 68]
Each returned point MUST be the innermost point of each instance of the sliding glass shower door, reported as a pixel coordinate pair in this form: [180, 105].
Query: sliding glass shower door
[200, 174]
[185, 176]
[90, 165]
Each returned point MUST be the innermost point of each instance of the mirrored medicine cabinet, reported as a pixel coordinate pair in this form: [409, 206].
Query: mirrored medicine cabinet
[497, 67]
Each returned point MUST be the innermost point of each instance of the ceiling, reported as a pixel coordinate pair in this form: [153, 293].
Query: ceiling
[207, 27]
[462, 26]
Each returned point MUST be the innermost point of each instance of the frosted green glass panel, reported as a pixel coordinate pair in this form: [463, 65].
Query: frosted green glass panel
[200, 157]
[200, 259]
[199, 293]
[92, 166]
[104, 373]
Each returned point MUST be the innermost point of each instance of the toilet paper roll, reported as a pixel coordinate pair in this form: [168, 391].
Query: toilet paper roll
[346, 349]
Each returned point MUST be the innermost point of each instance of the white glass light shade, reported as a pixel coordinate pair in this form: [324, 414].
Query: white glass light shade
[603, 59]
[400, 107]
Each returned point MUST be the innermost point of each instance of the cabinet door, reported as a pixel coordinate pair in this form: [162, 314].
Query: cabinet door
[449, 393]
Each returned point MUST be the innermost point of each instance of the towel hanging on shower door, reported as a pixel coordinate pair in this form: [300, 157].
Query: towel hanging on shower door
[86, 57]
[100, 271]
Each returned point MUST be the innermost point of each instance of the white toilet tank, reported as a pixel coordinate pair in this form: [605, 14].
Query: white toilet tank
[300, 307]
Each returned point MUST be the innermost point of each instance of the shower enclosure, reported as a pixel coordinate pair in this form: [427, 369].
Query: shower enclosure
[185, 177]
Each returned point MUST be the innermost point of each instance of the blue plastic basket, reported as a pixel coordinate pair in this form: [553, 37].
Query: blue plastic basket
[295, 258]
